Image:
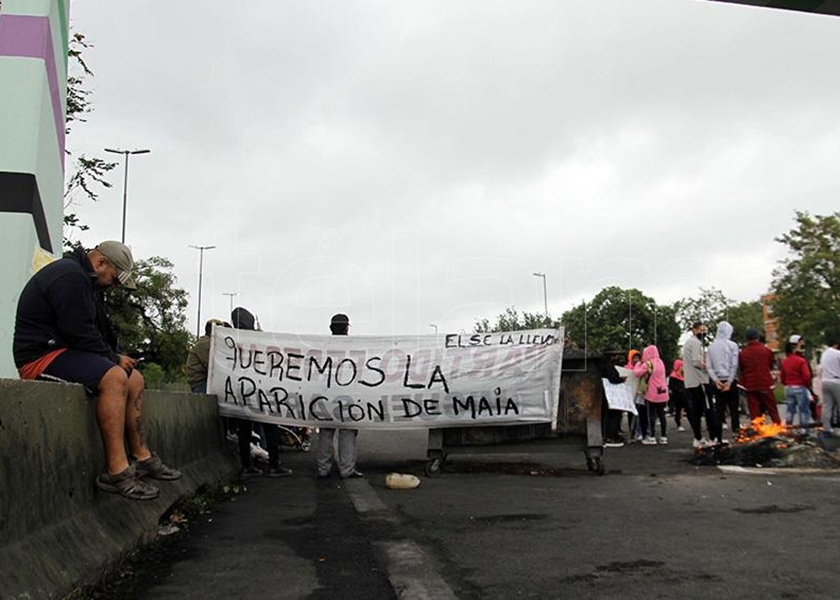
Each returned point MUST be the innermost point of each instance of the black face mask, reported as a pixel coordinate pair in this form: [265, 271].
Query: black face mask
[701, 336]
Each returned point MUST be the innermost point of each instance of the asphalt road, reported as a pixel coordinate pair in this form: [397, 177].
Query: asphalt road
[520, 522]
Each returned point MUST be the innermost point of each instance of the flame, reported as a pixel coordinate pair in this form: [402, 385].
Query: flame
[759, 429]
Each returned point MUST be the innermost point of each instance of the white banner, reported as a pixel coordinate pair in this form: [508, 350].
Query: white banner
[369, 382]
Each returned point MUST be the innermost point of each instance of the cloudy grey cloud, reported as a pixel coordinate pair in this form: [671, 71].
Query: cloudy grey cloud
[414, 163]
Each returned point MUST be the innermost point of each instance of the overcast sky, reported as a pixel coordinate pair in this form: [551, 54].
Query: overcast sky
[411, 163]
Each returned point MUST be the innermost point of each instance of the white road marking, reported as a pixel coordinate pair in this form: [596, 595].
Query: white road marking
[411, 572]
[734, 469]
[364, 498]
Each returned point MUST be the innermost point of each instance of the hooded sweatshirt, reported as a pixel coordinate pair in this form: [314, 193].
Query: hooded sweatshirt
[630, 356]
[722, 358]
[657, 389]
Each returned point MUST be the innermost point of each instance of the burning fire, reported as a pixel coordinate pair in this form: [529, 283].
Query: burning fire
[759, 429]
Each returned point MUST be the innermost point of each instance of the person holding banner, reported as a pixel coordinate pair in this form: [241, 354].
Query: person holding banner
[612, 417]
[243, 319]
[346, 459]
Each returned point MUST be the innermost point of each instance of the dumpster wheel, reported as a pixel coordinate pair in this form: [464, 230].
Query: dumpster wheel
[595, 464]
[433, 467]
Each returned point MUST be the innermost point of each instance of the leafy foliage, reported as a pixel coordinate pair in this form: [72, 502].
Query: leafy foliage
[151, 320]
[807, 284]
[88, 174]
[511, 320]
[710, 307]
[744, 315]
[621, 319]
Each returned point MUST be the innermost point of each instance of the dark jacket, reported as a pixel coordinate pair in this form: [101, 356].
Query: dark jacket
[62, 307]
[756, 362]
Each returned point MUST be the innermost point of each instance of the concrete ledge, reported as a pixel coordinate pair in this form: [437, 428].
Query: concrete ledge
[56, 528]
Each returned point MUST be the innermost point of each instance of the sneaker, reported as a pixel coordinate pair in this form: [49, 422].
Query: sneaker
[127, 484]
[354, 474]
[722, 441]
[680, 428]
[637, 438]
[663, 440]
[259, 453]
[725, 426]
[698, 444]
[613, 443]
[649, 441]
[153, 467]
[278, 471]
[250, 471]
[706, 443]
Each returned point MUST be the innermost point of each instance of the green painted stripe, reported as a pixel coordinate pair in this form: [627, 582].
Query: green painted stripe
[62, 19]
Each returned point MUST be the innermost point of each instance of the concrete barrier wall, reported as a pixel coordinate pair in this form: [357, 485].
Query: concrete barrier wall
[56, 528]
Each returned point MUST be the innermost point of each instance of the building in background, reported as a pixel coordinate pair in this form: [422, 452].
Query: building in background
[33, 80]
[771, 323]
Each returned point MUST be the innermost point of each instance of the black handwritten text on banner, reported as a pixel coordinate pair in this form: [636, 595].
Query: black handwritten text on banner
[451, 380]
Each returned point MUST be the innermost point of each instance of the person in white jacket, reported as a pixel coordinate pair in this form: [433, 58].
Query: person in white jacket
[696, 382]
[722, 366]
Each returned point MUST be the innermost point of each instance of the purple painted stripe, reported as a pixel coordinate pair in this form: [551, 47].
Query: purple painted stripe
[30, 37]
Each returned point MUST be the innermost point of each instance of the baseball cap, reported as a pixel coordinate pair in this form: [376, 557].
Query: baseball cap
[794, 339]
[119, 255]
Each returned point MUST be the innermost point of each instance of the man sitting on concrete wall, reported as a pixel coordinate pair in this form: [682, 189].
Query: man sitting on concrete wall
[63, 333]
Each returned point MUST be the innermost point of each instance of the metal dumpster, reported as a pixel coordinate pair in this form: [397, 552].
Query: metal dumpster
[578, 419]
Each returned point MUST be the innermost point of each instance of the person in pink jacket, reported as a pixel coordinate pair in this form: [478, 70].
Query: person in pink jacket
[652, 369]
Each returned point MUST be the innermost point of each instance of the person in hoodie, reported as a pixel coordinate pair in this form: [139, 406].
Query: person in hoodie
[676, 390]
[638, 425]
[652, 370]
[696, 381]
[242, 319]
[723, 371]
[795, 375]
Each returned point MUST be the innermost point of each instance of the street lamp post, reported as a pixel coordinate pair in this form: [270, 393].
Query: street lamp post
[201, 250]
[545, 294]
[125, 154]
[231, 296]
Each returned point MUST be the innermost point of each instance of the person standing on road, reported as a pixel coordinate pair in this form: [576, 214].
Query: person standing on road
[198, 359]
[612, 417]
[346, 459]
[243, 319]
[756, 362]
[636, 426]
[795, 375]
[676, 391]
[723, 371]
[652, 369]
[830, 379]
[696, 380]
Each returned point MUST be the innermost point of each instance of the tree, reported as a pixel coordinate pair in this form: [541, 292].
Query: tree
[743, 316]
[710, 307]
[511, 320]
[621, 319]
[807, 284]
[89, 174]
[151, 320]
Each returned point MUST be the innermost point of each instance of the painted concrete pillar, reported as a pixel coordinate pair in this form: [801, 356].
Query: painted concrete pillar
[33, 97]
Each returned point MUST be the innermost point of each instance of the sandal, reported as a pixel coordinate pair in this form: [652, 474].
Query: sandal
[153, 467]
[127, 484]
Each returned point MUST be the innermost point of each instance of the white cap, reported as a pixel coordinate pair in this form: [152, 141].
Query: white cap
[794, 339]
